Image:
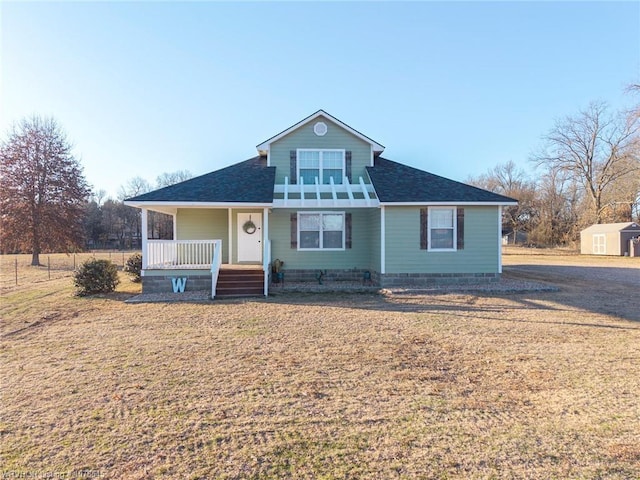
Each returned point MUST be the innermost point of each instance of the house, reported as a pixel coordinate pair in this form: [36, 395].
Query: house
[514, 237]
[320, 197]
[611, 239]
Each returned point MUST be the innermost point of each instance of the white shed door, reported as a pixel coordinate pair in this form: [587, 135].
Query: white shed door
[249, 237]
[599, 244]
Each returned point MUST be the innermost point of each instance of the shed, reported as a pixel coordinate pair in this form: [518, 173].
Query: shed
[610, 239]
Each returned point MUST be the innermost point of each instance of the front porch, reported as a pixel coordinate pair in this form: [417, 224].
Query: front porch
[195, 265]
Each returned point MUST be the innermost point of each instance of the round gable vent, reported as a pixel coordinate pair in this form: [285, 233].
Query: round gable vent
[320, 129]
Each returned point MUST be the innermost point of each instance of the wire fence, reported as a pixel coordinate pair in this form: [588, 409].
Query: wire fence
[17, 269]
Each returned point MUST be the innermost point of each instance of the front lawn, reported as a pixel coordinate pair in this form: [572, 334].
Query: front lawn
[317, 386]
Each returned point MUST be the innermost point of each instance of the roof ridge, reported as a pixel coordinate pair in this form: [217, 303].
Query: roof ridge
[330, 117]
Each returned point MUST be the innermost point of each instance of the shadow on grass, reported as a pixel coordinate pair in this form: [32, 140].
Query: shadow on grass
[438, 303]
[602, 290]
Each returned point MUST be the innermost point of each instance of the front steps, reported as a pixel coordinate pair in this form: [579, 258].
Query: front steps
[240, 282]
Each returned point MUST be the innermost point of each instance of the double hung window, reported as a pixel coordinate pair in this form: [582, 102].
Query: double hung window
[442, 228]
[321, 164]
[321, 231]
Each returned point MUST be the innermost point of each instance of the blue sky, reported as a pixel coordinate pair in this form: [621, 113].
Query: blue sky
[453, 88]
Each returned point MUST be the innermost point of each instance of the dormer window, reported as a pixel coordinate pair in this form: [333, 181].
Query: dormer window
[321, 164]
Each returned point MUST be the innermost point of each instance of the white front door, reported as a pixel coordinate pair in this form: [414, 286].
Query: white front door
[249, 237]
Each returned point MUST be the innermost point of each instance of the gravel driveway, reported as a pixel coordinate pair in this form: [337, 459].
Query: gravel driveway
[609, 285]
[595, 274]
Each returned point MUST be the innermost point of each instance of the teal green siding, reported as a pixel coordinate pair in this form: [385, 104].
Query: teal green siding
[212, 224]
[402, 239]
[204, 224]
[356, 257]
[336, 137]
[403, 253]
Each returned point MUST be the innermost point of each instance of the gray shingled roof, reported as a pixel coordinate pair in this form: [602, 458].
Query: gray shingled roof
[250, 181]
[395, 182]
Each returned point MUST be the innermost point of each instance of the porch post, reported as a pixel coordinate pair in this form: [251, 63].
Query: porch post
[175, 225]
[265, 235]
[145, 234]
[500, 239]
[266, 249]
[383, 260]
[230, 247]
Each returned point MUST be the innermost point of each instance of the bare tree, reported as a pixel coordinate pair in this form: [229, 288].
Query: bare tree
[560, 205]
[598, 149]
[171, 178]
[42, 190]
[161, 224]
[634, 88]
[507, 179]
[134, 186]
[99, 196]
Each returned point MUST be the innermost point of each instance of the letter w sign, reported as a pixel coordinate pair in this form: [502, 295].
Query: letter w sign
[178, 284]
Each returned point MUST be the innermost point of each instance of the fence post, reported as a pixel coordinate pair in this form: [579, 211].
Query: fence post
[16, 271]
[49, 266]
[74, 261]
[122, 259]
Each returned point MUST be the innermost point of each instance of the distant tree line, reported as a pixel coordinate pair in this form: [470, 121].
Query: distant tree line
[587, 171]
[110, 224]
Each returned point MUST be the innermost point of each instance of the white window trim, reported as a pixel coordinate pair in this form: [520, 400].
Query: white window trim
[320, 164]
[454, 213]
[601, 245]
[344, 228]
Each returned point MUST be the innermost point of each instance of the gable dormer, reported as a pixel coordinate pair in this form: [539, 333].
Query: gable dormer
[319, 146]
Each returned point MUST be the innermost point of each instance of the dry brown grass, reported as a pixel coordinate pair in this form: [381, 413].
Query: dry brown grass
[53, 266]
[317, 386]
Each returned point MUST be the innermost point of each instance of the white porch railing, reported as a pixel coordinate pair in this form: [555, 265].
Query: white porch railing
[181, 254]
[216, 262]
[344, 194]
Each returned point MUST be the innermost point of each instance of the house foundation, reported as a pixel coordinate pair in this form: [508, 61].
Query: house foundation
[434, 279]
[164, 283]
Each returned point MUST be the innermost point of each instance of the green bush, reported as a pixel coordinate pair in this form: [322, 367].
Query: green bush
[133, 267]
[95, 276]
